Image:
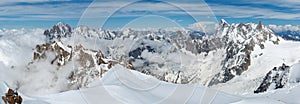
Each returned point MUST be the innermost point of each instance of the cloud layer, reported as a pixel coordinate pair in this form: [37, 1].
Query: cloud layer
[282, 28]
[44, 9]
[282, 10]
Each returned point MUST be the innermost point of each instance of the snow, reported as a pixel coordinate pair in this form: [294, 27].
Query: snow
[274, 55]
[258, 101]
[295, 73]
[64, 47]
[115, 89]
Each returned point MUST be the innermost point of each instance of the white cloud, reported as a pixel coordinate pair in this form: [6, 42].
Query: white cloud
[26, 1]
[42, 12]
[281, 28]
[127, 8]
[251, 12]
[104, 9]
[293, 4]
[205, 26]
[198, 11]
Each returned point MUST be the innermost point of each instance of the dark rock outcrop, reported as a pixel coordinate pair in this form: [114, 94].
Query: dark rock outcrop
[59, 30]
[276, 78]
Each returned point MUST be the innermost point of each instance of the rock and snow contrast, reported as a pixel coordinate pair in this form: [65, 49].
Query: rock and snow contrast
[80, 65]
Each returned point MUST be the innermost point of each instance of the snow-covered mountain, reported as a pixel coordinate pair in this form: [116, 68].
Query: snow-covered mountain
[238, 58]
[240, 40]
[290, 35]
[187, 57]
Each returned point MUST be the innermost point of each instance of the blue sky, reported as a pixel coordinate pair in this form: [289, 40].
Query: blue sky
[130, 13]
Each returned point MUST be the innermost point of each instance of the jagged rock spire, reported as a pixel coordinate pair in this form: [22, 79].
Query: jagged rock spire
[57, 31]
[241, 24]
[259, 26]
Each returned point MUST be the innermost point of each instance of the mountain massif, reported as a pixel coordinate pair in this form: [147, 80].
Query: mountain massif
[231, 55]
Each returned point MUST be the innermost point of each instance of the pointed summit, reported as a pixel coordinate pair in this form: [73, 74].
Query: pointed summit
[60, 24]
[222, 22]
[62, 27]
[241, 25]
[259, 26]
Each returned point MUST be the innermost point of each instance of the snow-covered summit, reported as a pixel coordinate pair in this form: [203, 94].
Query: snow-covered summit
[239, 42]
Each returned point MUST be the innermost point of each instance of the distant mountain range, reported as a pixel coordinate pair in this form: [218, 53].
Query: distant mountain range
[287, 32]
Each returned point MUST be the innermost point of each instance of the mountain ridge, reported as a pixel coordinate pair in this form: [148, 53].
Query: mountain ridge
[234, 44]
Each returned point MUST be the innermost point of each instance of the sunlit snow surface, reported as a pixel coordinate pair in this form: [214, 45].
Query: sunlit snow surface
[114, 88]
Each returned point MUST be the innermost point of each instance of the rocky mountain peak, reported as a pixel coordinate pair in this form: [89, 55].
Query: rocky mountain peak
[87, 64]
[259, 26]
[59, 30]
[222, 24]
[239, 42]
[222, 21]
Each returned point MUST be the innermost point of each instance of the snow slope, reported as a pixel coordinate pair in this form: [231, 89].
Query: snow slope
[117, 88]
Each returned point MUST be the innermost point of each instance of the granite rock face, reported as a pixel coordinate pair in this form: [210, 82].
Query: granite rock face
[275, 79]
